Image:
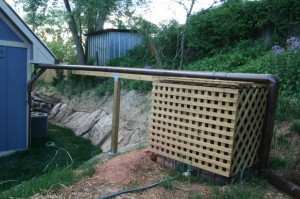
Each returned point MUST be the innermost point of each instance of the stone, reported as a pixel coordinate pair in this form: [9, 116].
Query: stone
[91, 117]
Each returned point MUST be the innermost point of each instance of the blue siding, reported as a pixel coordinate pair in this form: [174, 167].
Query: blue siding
[13, 99]
[6, 33]
[2, 98]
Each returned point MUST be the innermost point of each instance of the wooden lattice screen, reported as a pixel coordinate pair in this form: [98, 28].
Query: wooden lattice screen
[210, 124]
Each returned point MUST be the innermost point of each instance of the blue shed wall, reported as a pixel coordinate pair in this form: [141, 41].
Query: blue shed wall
[7, 34]
[2, 98]
[13, 81]
[13, 134]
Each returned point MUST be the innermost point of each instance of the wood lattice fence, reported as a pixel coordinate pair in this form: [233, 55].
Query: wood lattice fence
[210, 124]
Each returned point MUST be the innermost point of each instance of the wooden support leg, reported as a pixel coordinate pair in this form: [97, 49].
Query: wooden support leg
[116, 114]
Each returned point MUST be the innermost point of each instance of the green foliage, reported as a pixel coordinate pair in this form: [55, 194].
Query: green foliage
[169, 184]
[287, 108]
[143, 86]
[277, 162]
[27, 168]
[161, 45]
[50, 180]
[166, 45]
[75, 85]
[212, 30]
[285, 64]
[196, 196]
[296, 127]
[59, 77]
[42, 84]
[233, 60]
[136, 58]
[105, 88]
[73, 88]
[283, 141]
[255, 187]
[64, 49]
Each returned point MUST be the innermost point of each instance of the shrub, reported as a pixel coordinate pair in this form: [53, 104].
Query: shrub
[285, 63]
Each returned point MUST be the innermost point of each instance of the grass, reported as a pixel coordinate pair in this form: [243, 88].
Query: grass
[42, 168]
[254, 187]
[296, 127]
[196, 196]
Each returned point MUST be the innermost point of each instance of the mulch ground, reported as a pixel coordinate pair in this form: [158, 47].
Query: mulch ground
[134, 169]
[130, 170]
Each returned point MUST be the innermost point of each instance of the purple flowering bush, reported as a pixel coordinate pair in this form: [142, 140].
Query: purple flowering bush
[277, 49]
[285, 63]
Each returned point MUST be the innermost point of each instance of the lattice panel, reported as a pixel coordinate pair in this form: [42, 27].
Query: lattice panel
[195, 123]
[250, 117]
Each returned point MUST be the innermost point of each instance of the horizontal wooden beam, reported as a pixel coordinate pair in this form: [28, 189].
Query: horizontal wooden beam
[111, 74]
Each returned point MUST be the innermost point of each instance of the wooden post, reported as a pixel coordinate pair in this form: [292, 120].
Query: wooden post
[116, 114]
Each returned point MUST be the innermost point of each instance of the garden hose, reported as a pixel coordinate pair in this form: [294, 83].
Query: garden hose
[137, 189]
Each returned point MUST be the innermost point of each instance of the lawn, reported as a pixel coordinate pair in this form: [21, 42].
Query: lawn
[46, 167]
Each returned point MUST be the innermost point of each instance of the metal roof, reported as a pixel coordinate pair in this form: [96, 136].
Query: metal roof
[110, 30]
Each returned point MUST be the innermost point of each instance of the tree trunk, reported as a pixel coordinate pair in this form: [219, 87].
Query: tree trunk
[184, 35]
[76, 37]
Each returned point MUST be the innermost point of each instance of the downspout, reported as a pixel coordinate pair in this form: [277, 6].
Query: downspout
[267, 134]
[29, 89]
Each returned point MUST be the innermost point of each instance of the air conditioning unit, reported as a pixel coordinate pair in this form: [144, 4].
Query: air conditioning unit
[39, 125]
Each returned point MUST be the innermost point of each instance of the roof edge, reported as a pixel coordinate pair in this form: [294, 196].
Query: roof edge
[26, 26]
[99, 32]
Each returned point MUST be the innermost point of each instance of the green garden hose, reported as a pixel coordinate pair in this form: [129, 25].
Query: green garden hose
[137, 189]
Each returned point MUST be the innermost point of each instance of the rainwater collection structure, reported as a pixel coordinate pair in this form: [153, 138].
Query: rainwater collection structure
[19, 48]
[221, 123]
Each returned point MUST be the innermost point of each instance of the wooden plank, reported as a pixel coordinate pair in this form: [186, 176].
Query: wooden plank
[202, 88]
[181, 80]
[116, 114]
[110, 74]
[189, 154]
[202, 128]
[195, 118]
[192, 95]
[225, 173]
[195, 134]
[190, 103]
[217, 114]
[194, 142]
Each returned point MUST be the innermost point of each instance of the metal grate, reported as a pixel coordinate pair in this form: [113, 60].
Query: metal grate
[211, 124]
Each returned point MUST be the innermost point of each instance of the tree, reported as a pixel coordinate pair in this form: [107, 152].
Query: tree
[184, 32]
[188, 10]
[83, 16]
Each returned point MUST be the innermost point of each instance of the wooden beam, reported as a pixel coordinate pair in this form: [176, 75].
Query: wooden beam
[116, 114]
[110, 74]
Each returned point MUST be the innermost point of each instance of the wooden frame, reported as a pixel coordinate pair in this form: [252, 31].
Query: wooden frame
[210, 124]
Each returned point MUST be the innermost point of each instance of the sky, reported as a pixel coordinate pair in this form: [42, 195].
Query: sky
[165, 10]
[162, 10]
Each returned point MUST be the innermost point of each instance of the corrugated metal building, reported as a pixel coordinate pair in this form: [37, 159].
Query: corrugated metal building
[19, 48]
[107, 44]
